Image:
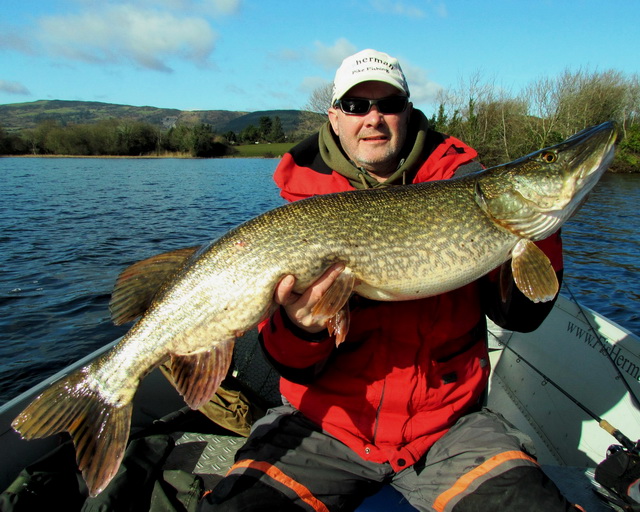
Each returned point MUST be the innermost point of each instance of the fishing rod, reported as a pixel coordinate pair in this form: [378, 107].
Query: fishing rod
[604, 424]
[619, 472]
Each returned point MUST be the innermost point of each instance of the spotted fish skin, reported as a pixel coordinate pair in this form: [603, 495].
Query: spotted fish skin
[395, 243]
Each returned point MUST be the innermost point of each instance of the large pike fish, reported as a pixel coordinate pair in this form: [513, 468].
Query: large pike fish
[395, 243]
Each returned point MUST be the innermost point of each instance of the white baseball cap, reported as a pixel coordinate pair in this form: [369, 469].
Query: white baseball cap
[365, 66]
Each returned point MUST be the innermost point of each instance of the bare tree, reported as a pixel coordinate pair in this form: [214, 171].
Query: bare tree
[486, 117]
[502, 127]
[320, 99]
[542, 97]
[314, 113]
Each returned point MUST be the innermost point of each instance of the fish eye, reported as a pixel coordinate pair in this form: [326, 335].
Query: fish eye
[548, 157]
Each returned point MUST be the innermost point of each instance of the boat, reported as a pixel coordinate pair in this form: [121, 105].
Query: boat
[561, 384]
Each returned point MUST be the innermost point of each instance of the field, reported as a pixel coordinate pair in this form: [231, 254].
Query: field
[262, 150]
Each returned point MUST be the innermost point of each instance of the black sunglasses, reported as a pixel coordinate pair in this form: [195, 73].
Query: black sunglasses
[361, 106]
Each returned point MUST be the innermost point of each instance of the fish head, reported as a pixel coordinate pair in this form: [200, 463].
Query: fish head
[534, 195]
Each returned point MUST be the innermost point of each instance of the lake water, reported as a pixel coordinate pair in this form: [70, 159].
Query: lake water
[69, 226]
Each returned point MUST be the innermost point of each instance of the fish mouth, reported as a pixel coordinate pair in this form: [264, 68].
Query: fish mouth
[593, 153]
[582, 159]
[590, 160]
[589, 154]
[544, 189]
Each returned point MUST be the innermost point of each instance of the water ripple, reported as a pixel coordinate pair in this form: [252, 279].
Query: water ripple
[69, 226]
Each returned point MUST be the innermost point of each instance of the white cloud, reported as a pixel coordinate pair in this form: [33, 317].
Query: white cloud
[208, 7]
[311, 83]
[117, 33]
[397, 8]
[330, 57]
[422, 89]
[407, 9]
[220, 7]
[440, 9]
[14, 88]
[14, 39]
[287, 55]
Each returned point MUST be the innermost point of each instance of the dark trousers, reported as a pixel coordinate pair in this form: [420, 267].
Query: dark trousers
[289, 464]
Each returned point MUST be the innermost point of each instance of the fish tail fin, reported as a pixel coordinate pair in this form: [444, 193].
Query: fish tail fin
[99, 430]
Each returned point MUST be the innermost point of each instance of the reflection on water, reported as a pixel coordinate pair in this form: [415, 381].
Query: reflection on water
[69, 226]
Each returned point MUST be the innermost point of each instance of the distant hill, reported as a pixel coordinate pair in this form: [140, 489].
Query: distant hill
[290, 120]
[19, 116]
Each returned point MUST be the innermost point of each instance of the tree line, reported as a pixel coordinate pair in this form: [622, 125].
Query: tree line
[117, 137]
[268, 130]
[502, 126]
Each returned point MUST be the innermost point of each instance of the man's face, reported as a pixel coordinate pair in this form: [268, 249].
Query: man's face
[373, 140]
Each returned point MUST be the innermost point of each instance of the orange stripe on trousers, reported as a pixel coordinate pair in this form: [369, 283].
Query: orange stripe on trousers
[269, 469]
[463, 483]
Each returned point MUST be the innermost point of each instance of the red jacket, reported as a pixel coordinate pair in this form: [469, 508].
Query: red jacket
[408, 370]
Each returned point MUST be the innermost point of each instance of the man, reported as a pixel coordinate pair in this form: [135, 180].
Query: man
[399, 401]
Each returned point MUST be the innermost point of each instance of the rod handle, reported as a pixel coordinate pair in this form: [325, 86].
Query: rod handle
[620, 437]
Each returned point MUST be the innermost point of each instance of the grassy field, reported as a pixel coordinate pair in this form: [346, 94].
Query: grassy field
[240, 151]
[262, 150]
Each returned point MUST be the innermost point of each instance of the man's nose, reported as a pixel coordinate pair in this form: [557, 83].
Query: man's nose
[374, 117]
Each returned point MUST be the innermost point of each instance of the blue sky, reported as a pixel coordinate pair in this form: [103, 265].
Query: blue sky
[270, 54]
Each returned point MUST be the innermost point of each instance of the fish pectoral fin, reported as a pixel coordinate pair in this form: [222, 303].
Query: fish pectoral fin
[333, 305]
[533, 272]
[99, 429]
[139, 283]
[197, 376]
[338, 324]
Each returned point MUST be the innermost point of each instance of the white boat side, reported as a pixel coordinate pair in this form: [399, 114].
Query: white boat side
[590, 358]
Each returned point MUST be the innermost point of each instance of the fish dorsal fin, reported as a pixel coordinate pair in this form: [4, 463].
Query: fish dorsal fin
[197, 376]
[533, 272]
[333, 305]
[138, 284]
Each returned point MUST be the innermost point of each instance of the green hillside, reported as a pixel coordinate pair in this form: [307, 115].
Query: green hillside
[20, 116]
[290, 120]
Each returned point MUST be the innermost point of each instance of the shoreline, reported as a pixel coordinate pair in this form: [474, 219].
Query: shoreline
[182, 156]
[141, 157]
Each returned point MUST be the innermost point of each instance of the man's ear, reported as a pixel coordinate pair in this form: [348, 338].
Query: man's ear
[333, 119]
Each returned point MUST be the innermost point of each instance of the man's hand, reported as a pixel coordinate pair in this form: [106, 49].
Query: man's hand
[298, 306]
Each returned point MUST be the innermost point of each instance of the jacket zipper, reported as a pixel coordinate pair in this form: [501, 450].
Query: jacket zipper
[375, 427]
